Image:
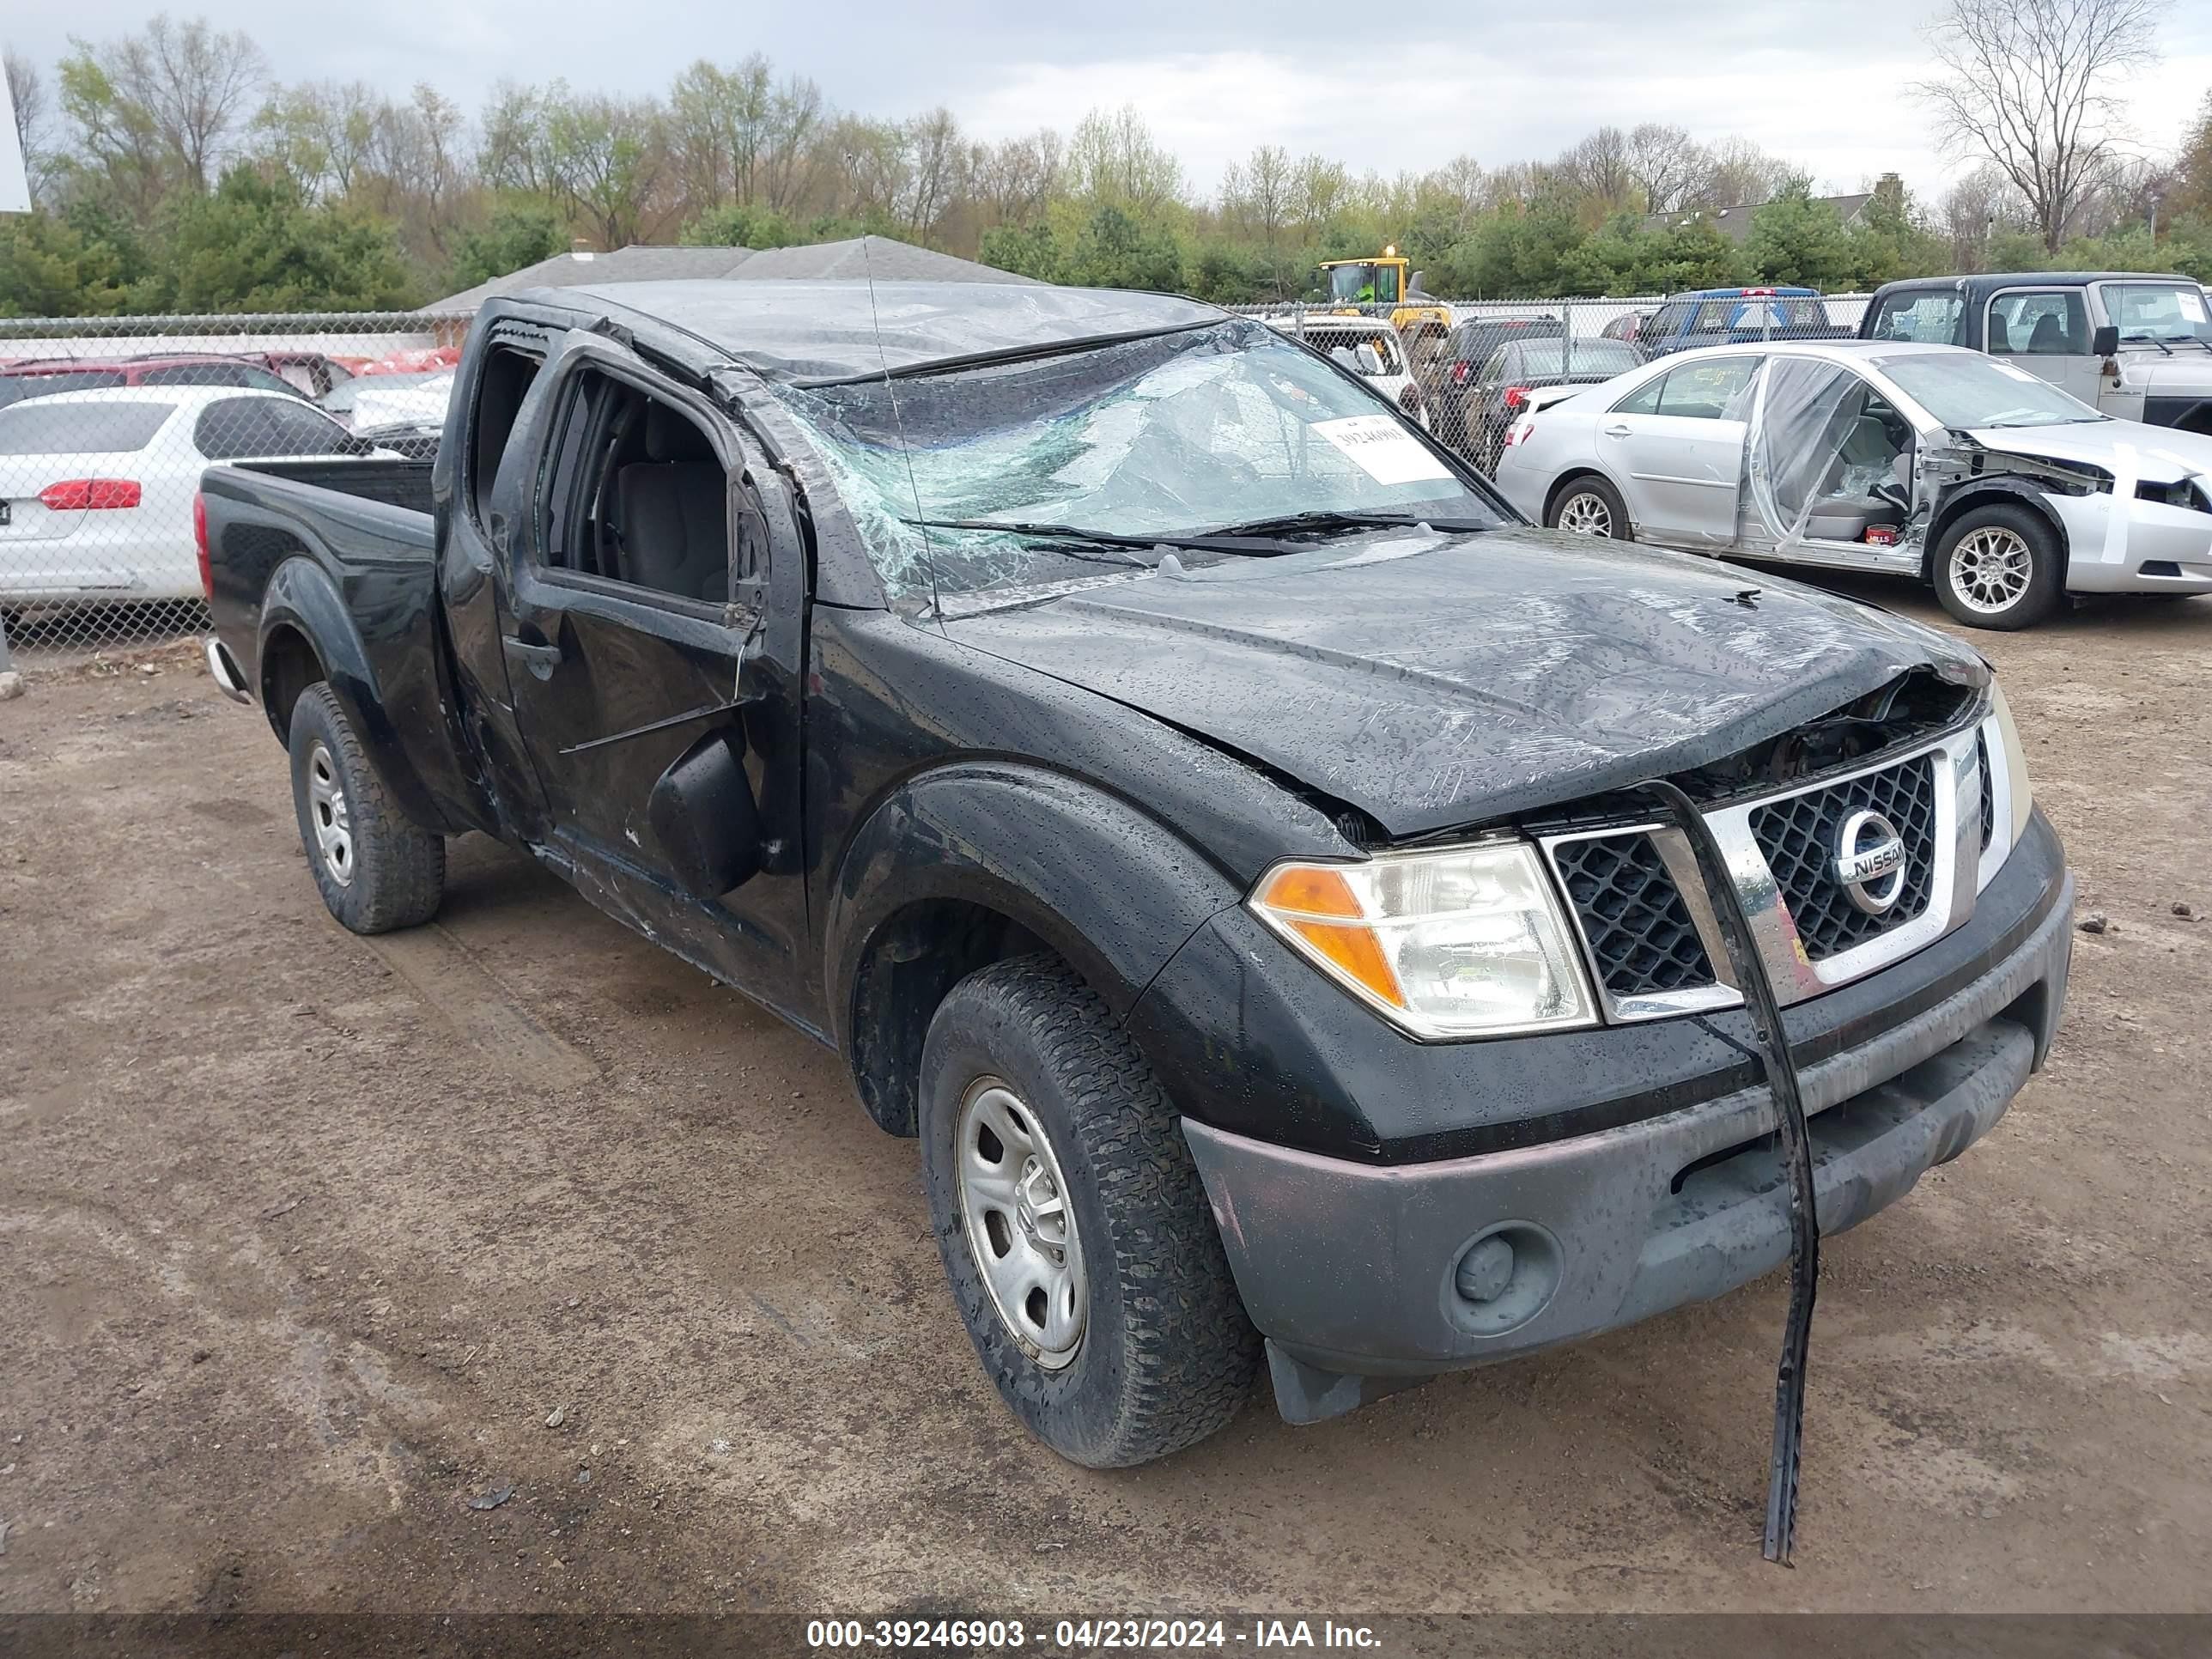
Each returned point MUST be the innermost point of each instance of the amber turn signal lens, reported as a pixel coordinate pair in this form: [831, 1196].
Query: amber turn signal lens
[1358, 953]
[1307, 891]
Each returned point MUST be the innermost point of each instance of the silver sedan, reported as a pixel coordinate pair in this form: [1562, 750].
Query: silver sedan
[1918, 460]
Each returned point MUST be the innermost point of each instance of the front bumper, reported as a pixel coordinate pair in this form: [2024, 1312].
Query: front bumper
[1351, 1271]
[2117, 543]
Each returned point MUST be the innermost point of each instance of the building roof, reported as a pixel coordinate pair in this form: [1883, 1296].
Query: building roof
[822, 332]
[882, 258]
[1735, 222]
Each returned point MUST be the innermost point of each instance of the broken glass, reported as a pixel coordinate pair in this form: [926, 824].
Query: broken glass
[1173, 436]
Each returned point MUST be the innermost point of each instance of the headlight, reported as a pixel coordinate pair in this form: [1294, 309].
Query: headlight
[2015, 765]
[1467, 941]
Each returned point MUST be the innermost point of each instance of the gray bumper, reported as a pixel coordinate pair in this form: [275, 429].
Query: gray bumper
[1351, 1271]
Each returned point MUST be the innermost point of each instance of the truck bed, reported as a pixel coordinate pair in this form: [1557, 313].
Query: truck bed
[392, 481]
[340, 555]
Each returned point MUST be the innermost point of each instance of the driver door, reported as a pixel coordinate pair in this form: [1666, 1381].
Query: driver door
[650, 626]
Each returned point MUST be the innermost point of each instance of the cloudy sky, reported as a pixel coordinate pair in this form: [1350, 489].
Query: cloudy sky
[1822, 82]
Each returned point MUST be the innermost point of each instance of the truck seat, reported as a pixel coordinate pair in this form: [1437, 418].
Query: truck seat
[675, 521]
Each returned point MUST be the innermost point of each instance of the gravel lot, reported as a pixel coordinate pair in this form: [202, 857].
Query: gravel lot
[308, 1241]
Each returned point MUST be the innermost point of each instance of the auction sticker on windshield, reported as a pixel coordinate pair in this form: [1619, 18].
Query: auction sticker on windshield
[1383, 449]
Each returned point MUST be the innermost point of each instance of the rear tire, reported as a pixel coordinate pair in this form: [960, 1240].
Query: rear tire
[376, 871]
[1044, 1133]
[2000, 567]
[1589, 506]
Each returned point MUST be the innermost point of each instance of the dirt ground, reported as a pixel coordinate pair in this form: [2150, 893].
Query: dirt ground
[304, 1238]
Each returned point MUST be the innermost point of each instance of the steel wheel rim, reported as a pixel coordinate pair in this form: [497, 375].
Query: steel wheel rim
[1990, 568]
[327, 814]
[1020, 1223]
[1586, 514]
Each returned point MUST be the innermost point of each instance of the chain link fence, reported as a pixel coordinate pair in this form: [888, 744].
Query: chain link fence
[106, 424]
[1469, 371]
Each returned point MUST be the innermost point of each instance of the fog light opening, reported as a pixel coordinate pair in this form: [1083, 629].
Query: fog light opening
[1504, 1277]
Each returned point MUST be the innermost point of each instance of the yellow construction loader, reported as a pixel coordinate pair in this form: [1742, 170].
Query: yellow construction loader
[1422, 321]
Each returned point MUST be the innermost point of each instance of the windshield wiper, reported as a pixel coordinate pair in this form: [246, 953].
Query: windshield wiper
[2147, 339]
[1290, 523]
[2188, 339]
[1249, 544]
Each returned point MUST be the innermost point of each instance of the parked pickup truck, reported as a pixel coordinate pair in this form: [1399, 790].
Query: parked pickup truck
[1736, 316]
[1183, 796]
[2137, 347]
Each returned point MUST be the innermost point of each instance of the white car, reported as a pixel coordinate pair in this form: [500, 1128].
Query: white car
[1368, 346]
[1920, 460]
[96, 487]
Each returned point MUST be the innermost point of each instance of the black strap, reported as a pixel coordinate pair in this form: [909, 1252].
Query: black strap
[1781, 1071]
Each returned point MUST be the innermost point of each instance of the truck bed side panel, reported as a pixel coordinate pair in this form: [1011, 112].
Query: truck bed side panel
[355, 576]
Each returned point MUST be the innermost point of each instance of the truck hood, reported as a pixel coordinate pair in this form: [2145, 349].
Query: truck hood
[2161, 453]
[1434, 681]
[2187, 373]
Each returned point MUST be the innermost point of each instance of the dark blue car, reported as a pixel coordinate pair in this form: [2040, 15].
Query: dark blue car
[1734, 316]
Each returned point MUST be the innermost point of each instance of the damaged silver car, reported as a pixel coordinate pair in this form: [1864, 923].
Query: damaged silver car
[2004, 491]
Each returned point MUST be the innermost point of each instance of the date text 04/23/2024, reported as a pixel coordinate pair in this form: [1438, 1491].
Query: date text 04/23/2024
[1072, 1636]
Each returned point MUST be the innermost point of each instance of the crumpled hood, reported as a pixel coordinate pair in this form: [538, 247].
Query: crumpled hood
[2161, 453]
[1434, 681]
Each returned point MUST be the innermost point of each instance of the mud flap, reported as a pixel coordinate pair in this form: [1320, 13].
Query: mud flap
[1781, 1071]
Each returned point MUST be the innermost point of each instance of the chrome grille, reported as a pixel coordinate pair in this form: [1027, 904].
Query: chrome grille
[1642, 939]
[1797, 837]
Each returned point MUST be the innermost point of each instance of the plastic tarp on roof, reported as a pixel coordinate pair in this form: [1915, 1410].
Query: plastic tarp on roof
[812, 333]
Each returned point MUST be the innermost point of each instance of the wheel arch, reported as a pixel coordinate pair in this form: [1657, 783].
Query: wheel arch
[978, 861]
[308, 630]
[1999, 491]
[1575, 475]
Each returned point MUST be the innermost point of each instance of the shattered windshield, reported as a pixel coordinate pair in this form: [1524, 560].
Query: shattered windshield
[1965, 390]
[1177, 434]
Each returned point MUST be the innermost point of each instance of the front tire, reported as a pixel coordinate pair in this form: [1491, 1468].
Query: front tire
[1589, 506]
[2000, 567]
[376, 871]
[1073, 1227]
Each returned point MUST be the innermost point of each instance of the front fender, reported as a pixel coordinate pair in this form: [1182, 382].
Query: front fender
[301, 596]
[1088, 872]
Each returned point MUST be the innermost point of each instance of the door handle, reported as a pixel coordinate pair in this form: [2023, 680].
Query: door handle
[1618, 431]
[539, 659]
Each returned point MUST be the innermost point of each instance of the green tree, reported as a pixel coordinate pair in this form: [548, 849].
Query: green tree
[254, 246]
[743, 227]
[50, 268]
[1797, 241]
[520, 232]
[1034, 252]
[1116, 251]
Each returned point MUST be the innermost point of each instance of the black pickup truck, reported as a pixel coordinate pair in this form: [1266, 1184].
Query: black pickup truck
[1186, 798]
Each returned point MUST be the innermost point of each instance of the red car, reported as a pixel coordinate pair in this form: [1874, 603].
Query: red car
[31, 377]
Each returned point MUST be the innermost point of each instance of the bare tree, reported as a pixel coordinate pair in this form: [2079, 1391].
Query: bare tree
[795, 118]
[936, 170]
[1736, 174]
[1600, 170]
[1010, 181]
[177, 93]
[1983, 201]
[1259, 197]
[1665, 162]
[2029, 87]
[26, 92]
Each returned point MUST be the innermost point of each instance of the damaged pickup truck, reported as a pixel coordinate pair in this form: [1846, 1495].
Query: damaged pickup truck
[1303, 911]
[2004, 491]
